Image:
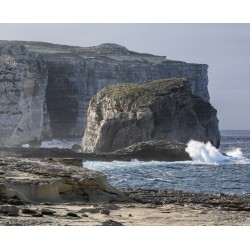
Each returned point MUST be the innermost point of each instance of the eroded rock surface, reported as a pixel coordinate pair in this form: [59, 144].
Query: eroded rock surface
[160, 197]
[37, 181]
[23, 81]
[45, 88]
[124, 114]
[160, 150]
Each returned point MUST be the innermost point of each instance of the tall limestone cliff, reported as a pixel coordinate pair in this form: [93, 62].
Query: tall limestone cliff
[124, 114]
[45, 88]
[23, 81]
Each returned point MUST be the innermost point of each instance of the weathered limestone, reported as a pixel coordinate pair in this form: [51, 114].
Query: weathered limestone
[36, 181]
[22, 89]
[124, 114]
[45, 88]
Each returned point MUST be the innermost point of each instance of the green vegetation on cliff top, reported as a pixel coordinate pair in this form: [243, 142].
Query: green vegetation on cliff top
[140, 93]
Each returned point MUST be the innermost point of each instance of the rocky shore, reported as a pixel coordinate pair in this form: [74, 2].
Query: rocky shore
[59, 191]
[163, 150]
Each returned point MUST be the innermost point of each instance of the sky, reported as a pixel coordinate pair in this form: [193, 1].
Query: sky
[224, 47]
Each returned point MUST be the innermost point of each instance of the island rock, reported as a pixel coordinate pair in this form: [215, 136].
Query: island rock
[124, 114]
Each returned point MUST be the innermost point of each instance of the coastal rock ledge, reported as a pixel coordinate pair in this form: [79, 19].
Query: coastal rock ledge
[53, 180]
[124, 114]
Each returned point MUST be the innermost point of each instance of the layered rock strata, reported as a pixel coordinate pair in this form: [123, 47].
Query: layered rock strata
[53, 181]
[45, 88]
[23, 81]
[124, 114]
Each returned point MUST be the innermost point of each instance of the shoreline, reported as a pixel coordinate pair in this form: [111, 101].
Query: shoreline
[167, 151]
[128, 214]
[97, 203]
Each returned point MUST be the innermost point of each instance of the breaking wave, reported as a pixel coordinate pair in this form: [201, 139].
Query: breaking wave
[208, 154]
[209, 171]
[201, 154]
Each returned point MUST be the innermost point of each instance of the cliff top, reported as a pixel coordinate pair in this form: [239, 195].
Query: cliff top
[110, 51]
[140, 93]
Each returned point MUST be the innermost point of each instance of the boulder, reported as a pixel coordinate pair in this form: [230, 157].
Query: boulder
[76, 148]
[9, 210]
[124, 114]
[111, 223]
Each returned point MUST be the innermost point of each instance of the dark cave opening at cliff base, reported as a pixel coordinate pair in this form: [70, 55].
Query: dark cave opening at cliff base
[62, 105]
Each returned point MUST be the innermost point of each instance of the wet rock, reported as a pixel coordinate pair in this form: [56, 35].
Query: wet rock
[37, 215]
[161, 150]
[12, 201]
[9, 210]
[76, 147]
[28, 211]
[46, 211]
[111, 223]
[105, 211]
[160, 197]
[71, 214]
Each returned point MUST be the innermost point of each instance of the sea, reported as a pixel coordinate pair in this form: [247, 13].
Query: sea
[212, 171]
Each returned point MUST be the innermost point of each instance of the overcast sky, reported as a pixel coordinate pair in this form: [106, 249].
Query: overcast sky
[224, 47]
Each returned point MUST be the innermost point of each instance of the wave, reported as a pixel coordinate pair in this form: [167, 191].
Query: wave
[201, 154]
[206, 153]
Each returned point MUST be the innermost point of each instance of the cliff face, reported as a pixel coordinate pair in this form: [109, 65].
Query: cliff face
[46, 88]
[124, 114]
[22, 88]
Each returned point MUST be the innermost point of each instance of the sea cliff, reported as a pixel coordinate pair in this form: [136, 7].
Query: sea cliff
[46, 88]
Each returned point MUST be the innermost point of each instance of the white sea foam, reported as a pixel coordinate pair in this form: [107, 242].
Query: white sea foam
[200, 153]
[208, 154]
[204, 153]
[100, 165]
[56, 143]
[128, 165]
[235, 153]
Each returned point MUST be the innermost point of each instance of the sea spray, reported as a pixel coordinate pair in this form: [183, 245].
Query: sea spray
[204, 153]
[235, 153]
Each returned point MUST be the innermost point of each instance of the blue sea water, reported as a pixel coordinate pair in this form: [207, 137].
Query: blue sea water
[209, 172]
